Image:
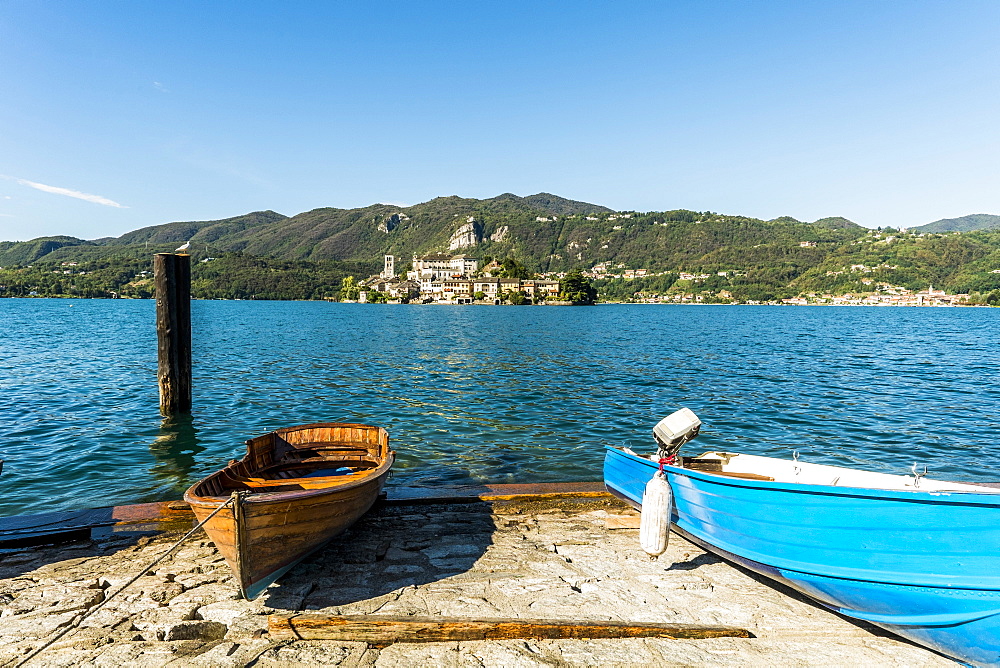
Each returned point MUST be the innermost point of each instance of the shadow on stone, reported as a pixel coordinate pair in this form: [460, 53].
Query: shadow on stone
[704, 559]
[791, 592]
[391, 548]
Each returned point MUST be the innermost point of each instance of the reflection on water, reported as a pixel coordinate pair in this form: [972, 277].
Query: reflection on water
[175, 451]
[499, 394]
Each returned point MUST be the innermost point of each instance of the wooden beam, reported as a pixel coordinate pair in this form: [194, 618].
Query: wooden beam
[172, 278]
[170, 514]
[382, 631]
[67, 526]
[403, 495]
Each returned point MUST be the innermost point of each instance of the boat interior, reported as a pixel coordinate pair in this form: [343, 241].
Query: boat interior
[301, 458]
[683, 425]
[753, 467]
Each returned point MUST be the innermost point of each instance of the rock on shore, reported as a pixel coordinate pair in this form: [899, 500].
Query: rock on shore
[565, 559]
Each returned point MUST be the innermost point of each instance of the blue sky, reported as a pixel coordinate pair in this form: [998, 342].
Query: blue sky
[118, 115]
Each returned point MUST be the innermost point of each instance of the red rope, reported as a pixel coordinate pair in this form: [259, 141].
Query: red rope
[668, 460]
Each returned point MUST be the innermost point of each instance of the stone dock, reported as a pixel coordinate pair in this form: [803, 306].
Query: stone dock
[532, 558]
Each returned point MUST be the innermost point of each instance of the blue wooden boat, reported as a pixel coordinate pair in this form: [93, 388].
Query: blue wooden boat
[916, 556]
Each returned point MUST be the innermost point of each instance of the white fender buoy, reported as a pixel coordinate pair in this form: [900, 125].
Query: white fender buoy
[654, 522]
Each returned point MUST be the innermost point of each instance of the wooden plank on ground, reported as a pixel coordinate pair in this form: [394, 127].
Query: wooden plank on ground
[494, 492]
[382, 631]
[23, 530]
[67, 526]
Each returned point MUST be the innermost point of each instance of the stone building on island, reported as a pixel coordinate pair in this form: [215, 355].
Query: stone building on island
[440, 265]
[454, 279]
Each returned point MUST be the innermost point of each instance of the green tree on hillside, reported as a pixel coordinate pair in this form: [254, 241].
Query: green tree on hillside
[575, 287]
[511, 268]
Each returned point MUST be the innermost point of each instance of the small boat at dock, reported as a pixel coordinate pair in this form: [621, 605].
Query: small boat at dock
[295, 489]
[916, 556]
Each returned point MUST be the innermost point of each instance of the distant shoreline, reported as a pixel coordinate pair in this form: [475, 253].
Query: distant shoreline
[439, 303]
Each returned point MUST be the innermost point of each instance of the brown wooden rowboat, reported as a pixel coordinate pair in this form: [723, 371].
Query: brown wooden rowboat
[295, 489]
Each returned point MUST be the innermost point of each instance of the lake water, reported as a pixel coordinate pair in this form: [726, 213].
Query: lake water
[499, 394]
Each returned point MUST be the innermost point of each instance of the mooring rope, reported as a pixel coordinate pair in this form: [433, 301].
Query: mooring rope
[79, 618]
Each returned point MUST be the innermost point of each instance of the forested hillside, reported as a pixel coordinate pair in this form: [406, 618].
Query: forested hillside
[269, 255]
[128, 274]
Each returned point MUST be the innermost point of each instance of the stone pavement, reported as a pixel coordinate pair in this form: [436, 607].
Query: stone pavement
[554, 559]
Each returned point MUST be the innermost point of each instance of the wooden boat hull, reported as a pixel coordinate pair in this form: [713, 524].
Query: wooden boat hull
[273, 523]
[921, 564]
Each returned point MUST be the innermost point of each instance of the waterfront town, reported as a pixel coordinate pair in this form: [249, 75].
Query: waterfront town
[888, 296]
[458, 279]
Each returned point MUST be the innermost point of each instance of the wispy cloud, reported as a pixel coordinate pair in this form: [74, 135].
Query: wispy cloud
[56, 190]
[160, 87]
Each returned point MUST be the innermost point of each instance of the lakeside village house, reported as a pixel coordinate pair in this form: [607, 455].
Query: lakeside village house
[453, 279]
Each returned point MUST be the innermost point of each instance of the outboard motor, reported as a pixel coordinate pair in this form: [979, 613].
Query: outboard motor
[670, 433]
[675, 430]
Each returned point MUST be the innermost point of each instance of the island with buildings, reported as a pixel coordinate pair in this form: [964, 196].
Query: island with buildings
[455, 279]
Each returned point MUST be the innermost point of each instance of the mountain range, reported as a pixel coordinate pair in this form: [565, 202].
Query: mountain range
[543, 232]
[971, 223]
[546, 232]
[538, 227]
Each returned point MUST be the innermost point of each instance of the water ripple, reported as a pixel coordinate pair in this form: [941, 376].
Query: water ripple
[486, 394]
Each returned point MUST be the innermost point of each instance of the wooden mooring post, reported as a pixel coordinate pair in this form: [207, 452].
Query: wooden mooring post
[172, 276]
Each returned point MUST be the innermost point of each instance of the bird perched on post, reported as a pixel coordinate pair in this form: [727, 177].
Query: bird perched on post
[184, 247]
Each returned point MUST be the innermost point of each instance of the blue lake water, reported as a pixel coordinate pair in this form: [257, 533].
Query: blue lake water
[501, 394]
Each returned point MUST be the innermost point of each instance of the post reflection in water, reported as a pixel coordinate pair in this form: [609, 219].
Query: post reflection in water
[175, 450]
